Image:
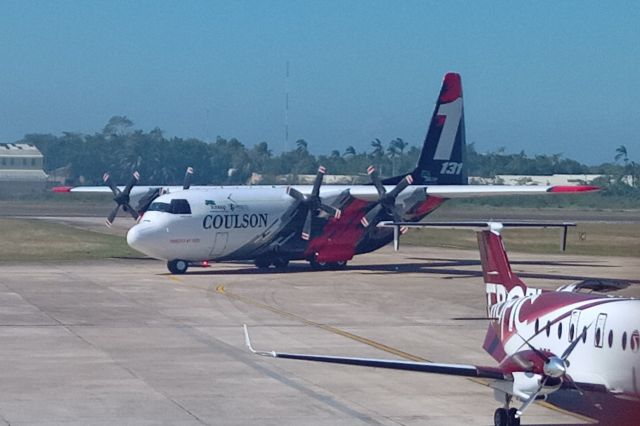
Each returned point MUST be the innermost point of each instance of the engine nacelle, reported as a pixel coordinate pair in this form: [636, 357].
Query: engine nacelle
[525, 384]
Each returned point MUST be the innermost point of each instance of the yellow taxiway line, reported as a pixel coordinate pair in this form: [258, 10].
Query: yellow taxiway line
[221, 290]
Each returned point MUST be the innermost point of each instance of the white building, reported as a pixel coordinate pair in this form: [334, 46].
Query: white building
[21, 169]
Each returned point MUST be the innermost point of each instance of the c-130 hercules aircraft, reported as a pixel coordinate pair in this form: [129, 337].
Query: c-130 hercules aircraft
[326, 226]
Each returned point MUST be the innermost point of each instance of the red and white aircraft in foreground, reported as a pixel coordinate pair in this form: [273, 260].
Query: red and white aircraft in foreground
[543, 341]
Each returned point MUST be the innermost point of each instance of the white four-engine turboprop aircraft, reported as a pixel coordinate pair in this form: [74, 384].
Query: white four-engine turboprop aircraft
[543, 341]
[325, 225]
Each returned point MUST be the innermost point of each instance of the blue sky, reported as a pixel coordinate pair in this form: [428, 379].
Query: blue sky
[544, 77]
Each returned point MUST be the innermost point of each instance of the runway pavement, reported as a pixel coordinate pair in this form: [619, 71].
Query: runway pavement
[121, 342]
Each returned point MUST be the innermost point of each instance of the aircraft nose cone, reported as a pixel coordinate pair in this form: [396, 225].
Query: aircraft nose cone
[555, 367]
[133, 237]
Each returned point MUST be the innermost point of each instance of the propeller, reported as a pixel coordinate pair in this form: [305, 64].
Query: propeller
[121, 197]
[555, 367]
[313, 203]
[386, 200]
[187, 178]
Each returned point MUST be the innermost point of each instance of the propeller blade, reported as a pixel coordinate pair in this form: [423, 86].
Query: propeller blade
[542, 356]
[127, 207]
[315, 192]
[408, 180]
[296, 194]
[186, 184]
[531, 399]
[573, 344]
[112, 215]
[107, 180]
[371, 215]
[134, 179]
[373, 173]
[306, 228]
[397, 215]
[332, 211]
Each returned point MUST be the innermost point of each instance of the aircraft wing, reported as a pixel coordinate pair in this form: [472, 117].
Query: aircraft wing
[369, 193]
[469, 191]
[424, 367]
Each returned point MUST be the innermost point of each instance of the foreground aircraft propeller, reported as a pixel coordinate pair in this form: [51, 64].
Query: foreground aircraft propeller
[121, 197]
[555, 367]
[313, 203]
[386, 200]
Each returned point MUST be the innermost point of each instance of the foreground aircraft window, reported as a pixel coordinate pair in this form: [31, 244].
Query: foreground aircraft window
[610, 338]
[537, 325]
[635, 341]
[624, 341]
[584, 335]
[548, 328]
[572, 331]
[180, 207]
[559, 330]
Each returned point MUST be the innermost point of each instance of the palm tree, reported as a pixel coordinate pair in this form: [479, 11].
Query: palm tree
[335, 154]
[621, 154]
[392, 151]
[378, 149]
[400, 145]
[350, 151]
[301, 146]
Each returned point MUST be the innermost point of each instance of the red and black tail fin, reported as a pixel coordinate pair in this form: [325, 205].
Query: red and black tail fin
[501, 283]
[441, 161]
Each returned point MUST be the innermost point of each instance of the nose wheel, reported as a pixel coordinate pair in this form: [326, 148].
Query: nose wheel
[177, 266]
[506, 417]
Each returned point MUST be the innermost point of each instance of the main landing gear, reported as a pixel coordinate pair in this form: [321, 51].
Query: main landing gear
[320, 266]
[277, 262]
[506, 416]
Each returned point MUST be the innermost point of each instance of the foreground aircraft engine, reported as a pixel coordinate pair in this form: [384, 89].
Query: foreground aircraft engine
[386, 200]
[121, 197]
[313, 203]
[546, 379]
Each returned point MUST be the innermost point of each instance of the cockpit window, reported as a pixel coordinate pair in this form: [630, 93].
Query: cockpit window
[159, 207]
[180, 207]
[176, 206]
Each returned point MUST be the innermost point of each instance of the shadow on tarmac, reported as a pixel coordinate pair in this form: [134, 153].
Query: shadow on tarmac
[426, 266]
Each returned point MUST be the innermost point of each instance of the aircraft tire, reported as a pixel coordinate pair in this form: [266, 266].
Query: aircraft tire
[318, 266]
[280, 262]
[341, 264]
[501, 417]
[177, 266]
[513, 420]
[262, 263]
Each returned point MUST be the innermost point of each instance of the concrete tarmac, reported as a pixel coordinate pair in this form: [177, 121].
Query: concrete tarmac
[120, 341]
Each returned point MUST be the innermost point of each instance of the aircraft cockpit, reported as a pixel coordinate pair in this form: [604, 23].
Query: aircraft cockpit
[176, 206]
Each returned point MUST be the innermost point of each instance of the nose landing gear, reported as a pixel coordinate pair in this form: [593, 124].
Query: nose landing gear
[178, 266]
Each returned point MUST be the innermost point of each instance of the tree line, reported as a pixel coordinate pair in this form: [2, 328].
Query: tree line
[120, 148]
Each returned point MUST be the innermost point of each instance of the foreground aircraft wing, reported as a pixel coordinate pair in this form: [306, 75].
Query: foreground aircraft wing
[424, 367]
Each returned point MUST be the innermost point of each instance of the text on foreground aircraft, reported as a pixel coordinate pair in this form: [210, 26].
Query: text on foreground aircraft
[543, 341]
[325, 225]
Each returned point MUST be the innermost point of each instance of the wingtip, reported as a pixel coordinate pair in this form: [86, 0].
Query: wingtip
[247, 340]
[61, 189]
[576, 188]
